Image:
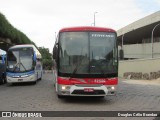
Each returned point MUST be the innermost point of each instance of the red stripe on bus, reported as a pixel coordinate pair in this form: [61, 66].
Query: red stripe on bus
[72, 81]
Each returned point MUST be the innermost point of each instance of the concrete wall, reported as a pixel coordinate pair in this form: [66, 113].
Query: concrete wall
[144, 66]
[153, 18]
[141, 50]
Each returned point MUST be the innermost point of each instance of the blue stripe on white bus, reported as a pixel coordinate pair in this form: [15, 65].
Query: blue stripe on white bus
[10, 74]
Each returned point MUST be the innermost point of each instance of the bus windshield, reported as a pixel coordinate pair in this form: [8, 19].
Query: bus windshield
[88, 53]
[20, 60]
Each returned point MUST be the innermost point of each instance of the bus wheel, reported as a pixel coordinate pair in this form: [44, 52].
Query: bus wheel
[9, 84]
[40, 77]
[101, 96]
[35, 82]
[3, 79]
[60, 96]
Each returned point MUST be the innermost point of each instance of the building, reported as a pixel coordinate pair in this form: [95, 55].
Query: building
[139, 48]
[136, 39]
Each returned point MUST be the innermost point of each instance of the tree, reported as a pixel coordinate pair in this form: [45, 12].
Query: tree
[8, 31]
[47, 58]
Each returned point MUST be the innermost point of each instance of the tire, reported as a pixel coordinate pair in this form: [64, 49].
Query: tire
[101, 96]
[34, 83]
[3, 80]
[40, 77]
[60, 96]
[9, 84]
[37, 76]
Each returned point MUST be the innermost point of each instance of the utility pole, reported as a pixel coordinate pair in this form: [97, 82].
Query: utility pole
[95, 18]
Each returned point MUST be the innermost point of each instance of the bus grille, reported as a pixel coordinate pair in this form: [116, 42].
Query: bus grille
[81, 92]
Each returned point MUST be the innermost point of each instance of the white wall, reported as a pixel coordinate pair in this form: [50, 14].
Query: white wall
[139, 65]
[142, 50]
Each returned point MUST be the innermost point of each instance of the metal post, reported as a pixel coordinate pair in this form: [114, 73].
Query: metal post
[122, 40]
[152, 38]
[55, 36]
[95, 18]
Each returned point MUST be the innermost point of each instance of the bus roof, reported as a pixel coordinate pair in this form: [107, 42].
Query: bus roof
[86, 28]
[2, 52]
[25, 46]
[22, 46]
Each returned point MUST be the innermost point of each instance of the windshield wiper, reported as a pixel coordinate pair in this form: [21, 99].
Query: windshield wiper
[76, 68]
[102, 71]
[23, 66]
[99, 66]
[17, 67]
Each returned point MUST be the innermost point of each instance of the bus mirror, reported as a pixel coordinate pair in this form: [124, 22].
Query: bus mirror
[56, 45]
[55, 50]
[34, 57]
[3, 59]
[121, 54]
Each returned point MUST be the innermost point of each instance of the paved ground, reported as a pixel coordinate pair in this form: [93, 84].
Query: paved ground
[42, 97]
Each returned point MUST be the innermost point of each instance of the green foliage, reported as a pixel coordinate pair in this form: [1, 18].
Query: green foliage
[8, 31]
[47, 58]
[47, 64]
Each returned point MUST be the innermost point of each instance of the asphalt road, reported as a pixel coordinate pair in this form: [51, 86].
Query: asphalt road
[42, 97]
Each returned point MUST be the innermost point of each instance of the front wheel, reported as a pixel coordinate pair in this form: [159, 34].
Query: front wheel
[60, 96]
[35, 82]
[9, 84]
[3, 80]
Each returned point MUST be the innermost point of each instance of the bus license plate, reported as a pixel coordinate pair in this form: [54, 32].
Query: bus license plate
[20, 79]
[88, 90]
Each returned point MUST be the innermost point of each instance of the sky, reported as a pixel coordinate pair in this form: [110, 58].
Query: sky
[41, 20]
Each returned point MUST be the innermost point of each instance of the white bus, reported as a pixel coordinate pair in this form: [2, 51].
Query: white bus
[23, 64]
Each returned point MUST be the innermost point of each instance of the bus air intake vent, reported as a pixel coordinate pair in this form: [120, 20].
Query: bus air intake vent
[81, 92]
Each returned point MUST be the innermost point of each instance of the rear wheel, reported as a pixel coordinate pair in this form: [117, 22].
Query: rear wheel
[40, 77]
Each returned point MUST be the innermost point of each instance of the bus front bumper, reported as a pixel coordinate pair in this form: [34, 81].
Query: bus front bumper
[84, 90]
[30, 78]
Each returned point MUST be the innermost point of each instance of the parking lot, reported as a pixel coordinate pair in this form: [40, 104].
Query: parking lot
[42, 97]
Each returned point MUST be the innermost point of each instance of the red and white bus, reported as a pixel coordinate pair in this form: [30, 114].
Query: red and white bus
[86, 62]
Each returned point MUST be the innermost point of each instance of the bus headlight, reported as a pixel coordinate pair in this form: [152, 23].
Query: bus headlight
[112, 88]
[65, 87]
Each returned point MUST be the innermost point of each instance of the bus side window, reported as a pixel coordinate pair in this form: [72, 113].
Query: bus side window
[38, 65]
